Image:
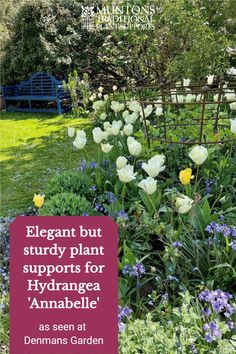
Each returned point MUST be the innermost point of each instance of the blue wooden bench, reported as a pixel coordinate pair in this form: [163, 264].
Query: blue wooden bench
[41, 93]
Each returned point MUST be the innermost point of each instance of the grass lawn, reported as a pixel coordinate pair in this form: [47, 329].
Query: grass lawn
[33, 148]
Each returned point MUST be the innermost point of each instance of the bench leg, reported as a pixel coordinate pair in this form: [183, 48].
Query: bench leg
[59, 106]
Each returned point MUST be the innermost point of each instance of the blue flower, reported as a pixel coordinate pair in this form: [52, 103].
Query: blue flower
[110, 197]
[136, 271]
[93, 164]
[123, 215]
[177, 244]
[82, 165]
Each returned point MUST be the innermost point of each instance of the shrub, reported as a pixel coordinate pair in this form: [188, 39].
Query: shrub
[68, 204]
[70, 182]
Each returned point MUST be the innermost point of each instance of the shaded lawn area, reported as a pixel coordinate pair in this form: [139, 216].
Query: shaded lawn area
[33, 148]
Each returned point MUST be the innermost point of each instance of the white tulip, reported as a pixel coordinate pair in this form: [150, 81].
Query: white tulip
[98, 135]
[98, 105]
[93, 97]
[215, 97]
[230, 95]
[103, 116]
[183, 204]
[186, 82]
[71, 132]
[154, 166]
[115, 127]
[178, 84]
[128, 129]
[210, 79]
[117, 106]
[190, 97]
[233, 106]
[106, 125]
[199, 97]
[149, 185]
[80, 142]
[159, 111]
[147, 111]
[180, 98]
[134, 146]
[100, 89]
[198, 154]
[131, 118]
[233, 125]
[114, 88]
[121, 162]
[106, 148]
[126, 174]
[99, 95]
[80, 134]
[106, 97]
[134, 106]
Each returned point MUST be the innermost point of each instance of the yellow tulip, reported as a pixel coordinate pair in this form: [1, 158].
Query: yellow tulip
[38, 200]
[185, 176]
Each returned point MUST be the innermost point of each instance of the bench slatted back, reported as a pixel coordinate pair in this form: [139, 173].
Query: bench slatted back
[40, 84]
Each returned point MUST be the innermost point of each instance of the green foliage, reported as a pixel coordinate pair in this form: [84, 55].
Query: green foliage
[68, 204]
[180, 331]
[70, 182]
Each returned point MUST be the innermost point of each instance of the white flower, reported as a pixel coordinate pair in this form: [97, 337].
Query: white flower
[80, 134]
[147, 111]
[80, 140]
[114, 88]
[199, 97]
[134, 106]
[183, 204]
[233, 125]
[106, 148]
[186, 82]
[98, 135]
[106, 97]
[154, 166]
[126, 174]
[230, 95]
[130, 118]
[128, 129]
[121, 162]
[117, 106]
[134, 146]
[106, 125]
[99, 95]
[149, 185]
[115, 127]
[233, 106]
[231, 71]
[71, 132]
[103, 116]
[180, 98]
[159, 111]
[210, 79]
[93, 97]
[215, 97]
[198, 154]
[190, 98]
[178, 84]
[98, 105]
[100, 89]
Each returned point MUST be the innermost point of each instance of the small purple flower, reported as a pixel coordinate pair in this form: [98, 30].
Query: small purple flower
[122, 215]
[233, 245]
[230, 325]
[93, 164]
[111, 197]
[177, 244]
[93, 188]
[208, 338]
[135, 271]
[206, 312]
[82, 165]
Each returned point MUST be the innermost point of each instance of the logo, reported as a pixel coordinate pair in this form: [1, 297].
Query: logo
[88, 17]
[115, 17]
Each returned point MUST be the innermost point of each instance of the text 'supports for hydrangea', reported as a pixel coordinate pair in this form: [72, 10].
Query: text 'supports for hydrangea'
[64, 285]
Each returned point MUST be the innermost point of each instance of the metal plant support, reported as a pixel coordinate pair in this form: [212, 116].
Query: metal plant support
[209, 98]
